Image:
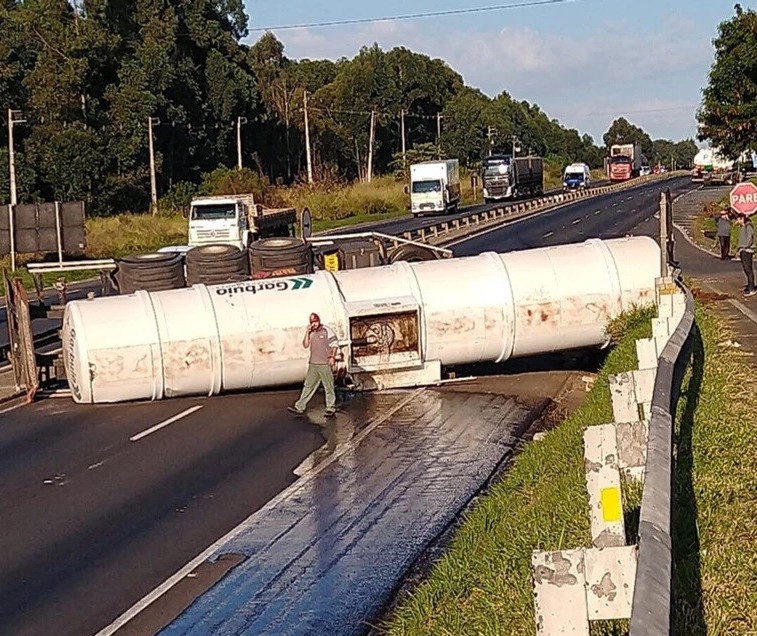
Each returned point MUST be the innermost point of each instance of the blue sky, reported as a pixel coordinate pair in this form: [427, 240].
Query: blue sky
[584, 62]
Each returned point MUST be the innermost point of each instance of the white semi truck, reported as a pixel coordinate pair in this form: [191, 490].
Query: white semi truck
[435, 187]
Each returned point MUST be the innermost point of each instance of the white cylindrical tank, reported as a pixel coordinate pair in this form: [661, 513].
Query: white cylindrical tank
[396, 318]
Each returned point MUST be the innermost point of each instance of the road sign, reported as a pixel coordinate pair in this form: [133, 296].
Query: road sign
[744, 198]
[306, 224]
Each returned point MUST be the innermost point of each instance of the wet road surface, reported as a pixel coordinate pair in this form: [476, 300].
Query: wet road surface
[325, 558]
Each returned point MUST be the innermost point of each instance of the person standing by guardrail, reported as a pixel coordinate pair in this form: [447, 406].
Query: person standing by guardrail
[323, 349]
[724, 235]
[746, 252]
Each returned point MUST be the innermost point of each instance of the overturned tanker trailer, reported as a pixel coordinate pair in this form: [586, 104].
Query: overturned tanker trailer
[397, 325]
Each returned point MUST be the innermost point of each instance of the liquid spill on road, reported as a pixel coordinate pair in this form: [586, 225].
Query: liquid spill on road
[327, 556]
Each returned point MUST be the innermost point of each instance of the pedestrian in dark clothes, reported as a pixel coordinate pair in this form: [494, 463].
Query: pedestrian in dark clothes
[746, 252]
[724, 235]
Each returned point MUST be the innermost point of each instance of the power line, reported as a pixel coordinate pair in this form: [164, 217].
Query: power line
[413, 16]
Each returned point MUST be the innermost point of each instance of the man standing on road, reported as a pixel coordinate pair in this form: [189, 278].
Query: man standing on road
[323, 349]
[724, 235]
[746, 252]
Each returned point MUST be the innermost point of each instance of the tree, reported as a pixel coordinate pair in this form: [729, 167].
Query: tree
[622, 131]
[728, 114]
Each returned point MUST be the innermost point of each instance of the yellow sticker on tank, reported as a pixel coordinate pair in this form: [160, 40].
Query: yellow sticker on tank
[331, 261]
[612, 510]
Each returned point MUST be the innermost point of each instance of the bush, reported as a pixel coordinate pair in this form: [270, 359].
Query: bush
[178, 198]
[225, 180]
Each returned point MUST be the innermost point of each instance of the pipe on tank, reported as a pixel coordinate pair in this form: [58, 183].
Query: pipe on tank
[395, 319]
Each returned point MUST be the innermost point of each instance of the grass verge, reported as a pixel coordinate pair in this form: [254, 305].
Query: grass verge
[482, 585]
[715, 525]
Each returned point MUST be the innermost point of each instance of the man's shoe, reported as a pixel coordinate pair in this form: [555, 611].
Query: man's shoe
[750, 292]
[294, 410]
[330, 413]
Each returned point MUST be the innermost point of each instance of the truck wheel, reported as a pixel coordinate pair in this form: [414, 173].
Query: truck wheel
[412, 254]
[280, 253]
[150, 272]
[216, 264]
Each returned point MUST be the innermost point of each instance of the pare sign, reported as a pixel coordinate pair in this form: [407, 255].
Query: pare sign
[744, 198]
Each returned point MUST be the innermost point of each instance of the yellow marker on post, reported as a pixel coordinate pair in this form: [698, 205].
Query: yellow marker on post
[612, 509]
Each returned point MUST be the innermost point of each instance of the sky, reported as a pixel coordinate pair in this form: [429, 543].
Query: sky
[584, 62]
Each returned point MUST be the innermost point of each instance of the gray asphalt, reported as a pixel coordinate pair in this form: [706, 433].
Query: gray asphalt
[605, 217]
[93, 521]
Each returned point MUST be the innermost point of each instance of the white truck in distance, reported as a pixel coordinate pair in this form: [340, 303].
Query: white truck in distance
[434, 187]
[235, 219]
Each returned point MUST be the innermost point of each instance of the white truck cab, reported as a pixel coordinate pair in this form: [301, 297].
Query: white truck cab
[236, 219]
[435, 187]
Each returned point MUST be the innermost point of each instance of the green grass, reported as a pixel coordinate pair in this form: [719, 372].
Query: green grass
[715, 525]
[482, 585]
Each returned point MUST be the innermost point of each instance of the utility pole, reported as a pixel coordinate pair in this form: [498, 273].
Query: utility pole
[240, 121]
[439, 133]
[13, 118]
[514, 139]
[402, 127]
[370, 145]
[152, 121]
[307, 138]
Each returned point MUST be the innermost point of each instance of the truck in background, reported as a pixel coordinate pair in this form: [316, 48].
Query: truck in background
[577, 176]
[710, 167]
[625, 161]
[435, 187]
[506, 178]
[235, 219]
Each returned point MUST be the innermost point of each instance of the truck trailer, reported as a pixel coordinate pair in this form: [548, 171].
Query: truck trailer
[505, 177]
[435, 187]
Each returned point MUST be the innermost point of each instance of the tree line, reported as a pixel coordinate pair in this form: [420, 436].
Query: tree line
[87, 76]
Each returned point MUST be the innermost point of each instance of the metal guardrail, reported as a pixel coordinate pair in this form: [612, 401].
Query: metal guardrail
[653, 594]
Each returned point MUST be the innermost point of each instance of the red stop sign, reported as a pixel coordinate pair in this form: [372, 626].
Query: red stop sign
[744, 198]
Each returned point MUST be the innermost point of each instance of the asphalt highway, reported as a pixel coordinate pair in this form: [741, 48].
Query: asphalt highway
[100, 504]
[409, 223]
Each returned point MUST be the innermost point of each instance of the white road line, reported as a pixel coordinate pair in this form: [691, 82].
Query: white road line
[287, 493]
[164, 423]
[575, 221]
[548, 234]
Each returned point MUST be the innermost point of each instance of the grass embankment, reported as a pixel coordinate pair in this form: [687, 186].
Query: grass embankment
[482, 585]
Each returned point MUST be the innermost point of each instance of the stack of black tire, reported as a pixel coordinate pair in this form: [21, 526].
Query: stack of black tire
[149, 272]
[216, 264]
[280, 256]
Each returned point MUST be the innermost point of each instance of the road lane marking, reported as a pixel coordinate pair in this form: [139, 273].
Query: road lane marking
[285, 494]
[575, 221]
[597, 212]
[165, 423]
[548, 234]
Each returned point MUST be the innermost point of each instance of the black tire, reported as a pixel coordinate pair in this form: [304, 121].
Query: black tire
[150, 260]
[286, 252]
[150, 272]
[216, 263]
[214, 253]
[278, 245]
[412, 254]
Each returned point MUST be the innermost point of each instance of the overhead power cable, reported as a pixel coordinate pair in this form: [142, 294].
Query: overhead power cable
[413, 16]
